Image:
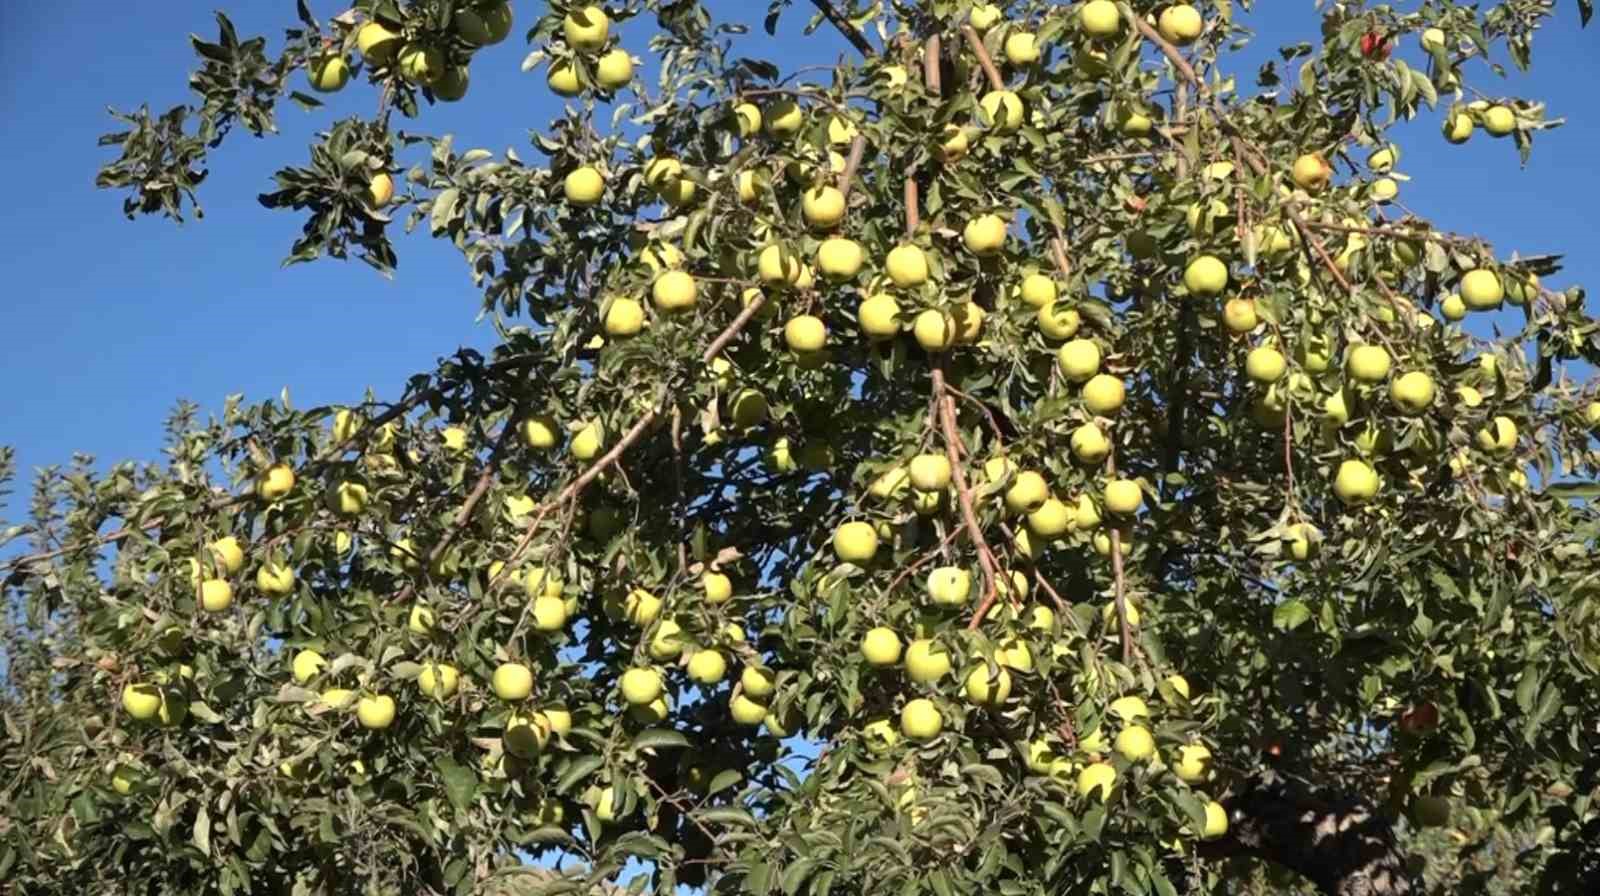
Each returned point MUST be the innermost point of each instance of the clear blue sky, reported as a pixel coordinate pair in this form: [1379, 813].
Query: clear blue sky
[107, 322]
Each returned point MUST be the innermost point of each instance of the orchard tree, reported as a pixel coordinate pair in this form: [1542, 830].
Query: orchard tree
[1017, 457]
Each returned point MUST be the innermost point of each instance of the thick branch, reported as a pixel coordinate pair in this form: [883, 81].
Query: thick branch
[851, 33]
[1149, 33]
[984, 61]
[969, 515]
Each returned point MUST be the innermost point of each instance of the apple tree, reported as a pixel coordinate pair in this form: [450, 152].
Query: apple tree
[1018, 455]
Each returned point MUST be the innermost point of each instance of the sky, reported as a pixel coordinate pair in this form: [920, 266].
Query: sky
[107, 322]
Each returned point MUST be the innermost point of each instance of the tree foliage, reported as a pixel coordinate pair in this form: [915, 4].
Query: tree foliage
[1023, 457]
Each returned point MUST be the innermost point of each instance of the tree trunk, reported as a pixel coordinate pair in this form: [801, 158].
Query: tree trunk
[1339, 841]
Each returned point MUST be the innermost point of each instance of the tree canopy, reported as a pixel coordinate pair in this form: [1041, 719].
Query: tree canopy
[1025, 455]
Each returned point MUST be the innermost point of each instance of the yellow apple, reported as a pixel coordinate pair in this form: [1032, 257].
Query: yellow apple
[985, 234]
[307, 664]
[1079, 360]
[880, 736]
[949, 586]
[930, 472]
[881, 647]
[1097, 777]
[878, 316]
[421, 64]
[328, 74]
[1192, 763]
[855, 542]
[1037, 290]
[1180, 24]
[756, 682]
[935, 330]
[1433, 39]
[985, 689]
[1089, 444]
[1100, 18]
[1356, 482]
[953, 144]
[1499, 436]
[1051, 519]
[926, 662]
[641, 686]
[718, 588]
[1457, 126]
[746, 711]
[1022, 48]
[1239, 315]
[1130, 707]
[840, 259]
[275, 482]
[1499, 121]
[438, 680]
[1124, 496]
[1265, 365]
[805, 334]
[823, 206]
[1103, 394]
[526, 735]
[420, 621]
[784, 119]
[920, 720]
[1412, 392]
[1216, 821]
[1002, 109]
[1135, 743]
[778, 266]
[1057, 321]
[1383, 190]
[674, 291]
[1311, 172]
[984, 16]
[907, 266]
[584, 186]
[562, 78]
[1027, 492]
[375, 712]
[586, 28]
[454, 438]
[377, 44]
[614, 70]
[1453, 307]
[1206, 275]
[1481, 289]
[1368, 363]
[275, 578]
[707, 667]
[142, 701]
[512, 681]
[216, 595]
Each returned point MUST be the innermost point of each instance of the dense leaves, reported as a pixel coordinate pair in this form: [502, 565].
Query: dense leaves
[1016, 458]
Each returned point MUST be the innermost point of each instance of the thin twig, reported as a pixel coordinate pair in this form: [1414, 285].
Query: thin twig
[1121, 590]
[858, 148]
[1171, 52]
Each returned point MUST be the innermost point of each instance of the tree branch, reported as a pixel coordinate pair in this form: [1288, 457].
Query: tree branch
[985, 62]
[851, 33]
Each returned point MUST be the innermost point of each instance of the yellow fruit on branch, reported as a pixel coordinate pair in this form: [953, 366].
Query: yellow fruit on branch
[1265, 365]
[584, 186]
[1002, 110]
[930, 472]
[1079, 360]
[823, 207]
[881, 647]
[1022, 48]
[1412, 392]
[377, 44]
[907, 266]
[1311, 172]
[840, 259]
[586, 28]
[1135, 743]
[328, 74]
[1192, 763]
[1368, 363]
[986, 689]
[1206, 276]
[1180, 24]
[1097, 779]
[512, 681]
[925, 661]
[614, 70]
[375, 711]
[855, 542]
[1100, 18]
[879, 316]
[805, 333]
[1356, 482]
[949, 586]
[920, 720]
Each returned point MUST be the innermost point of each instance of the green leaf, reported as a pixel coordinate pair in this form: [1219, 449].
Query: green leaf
[579, 770]
[732, 815]
[460, 782]
[201, 836]
[659, 738]
[1290, 615]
